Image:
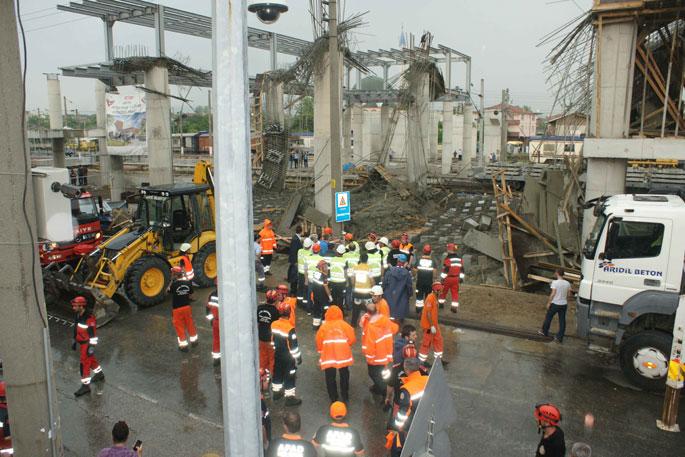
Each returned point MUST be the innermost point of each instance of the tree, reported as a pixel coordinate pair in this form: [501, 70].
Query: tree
[303, 120]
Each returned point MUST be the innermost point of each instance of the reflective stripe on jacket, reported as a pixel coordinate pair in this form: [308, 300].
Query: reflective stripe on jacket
[334, 340]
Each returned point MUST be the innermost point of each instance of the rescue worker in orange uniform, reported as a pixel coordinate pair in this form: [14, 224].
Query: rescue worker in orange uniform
[432, 337]
[377, 346]
[413, 387]
[334, 342]
[338, 439]
[85, 341]
[452, 274]
[287, 357]
[267, 240]
[267, 314]
[5, 432]
[381, 303]
[283, 295]
[186, 264]
[213, 317]
[182, 315]
[407, 248]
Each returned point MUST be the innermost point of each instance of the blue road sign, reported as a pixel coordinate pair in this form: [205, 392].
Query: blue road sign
[342, 207]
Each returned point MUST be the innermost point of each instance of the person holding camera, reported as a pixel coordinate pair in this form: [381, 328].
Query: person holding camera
[119, 448]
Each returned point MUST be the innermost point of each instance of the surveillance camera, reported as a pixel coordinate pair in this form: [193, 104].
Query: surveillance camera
[268, 11]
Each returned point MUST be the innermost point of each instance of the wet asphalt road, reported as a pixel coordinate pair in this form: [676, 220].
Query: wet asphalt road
[171, 400]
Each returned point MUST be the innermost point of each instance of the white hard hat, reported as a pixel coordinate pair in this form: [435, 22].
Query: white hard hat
[307, 243]
[369, 246]
[185, 247]
[340, 249]
[376, 290]
[384, 241]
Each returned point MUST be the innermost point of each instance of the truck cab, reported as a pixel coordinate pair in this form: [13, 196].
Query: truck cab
[632, 274]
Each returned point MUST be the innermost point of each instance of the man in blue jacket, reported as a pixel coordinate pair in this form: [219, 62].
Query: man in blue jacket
[397, 289]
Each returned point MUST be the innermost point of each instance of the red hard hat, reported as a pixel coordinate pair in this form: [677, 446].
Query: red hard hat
[427, 249]
[349, 236]
[177, 270]
[321, 264]
[79, 300]
[451, 247]
[316, 248]
[270, 296]
[547, 412]
[409, 351]
[437, 286]
[283, 308]
[327, 231]
[282, 289]
[395, 244]
[3, 389]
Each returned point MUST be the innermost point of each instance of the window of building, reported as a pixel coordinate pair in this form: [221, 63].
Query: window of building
[569, 147]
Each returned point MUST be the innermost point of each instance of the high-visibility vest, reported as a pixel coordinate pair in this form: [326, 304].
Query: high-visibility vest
[406, 248]
[334, 341]
[311, 262]
[362, 279]
[375, 264]
[386, 252]
[352, 259]
[415, 386]
[302, 255]
[188, 272]
[338, 265]
[377, 342]
[267, 239]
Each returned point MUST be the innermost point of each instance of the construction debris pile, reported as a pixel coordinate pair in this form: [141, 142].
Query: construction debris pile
[275, 160]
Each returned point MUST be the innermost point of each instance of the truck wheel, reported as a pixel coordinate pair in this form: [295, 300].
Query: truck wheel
[204, 265]
[644, 359]
[147, 280]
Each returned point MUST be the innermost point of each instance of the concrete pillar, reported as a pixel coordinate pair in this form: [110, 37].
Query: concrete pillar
[322, 134]
[347, 135]
[470, 138]
[433, 130]
[610, 109]
[56, 120]
[273, 106]
[158, 126]
[418, 121]
[371, 134]
[357, 121]
[458, 134]
[447, 135]
[386, 113]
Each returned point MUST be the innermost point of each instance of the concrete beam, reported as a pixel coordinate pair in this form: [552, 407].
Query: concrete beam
[357, 122]
[634, 148]
[159, 126]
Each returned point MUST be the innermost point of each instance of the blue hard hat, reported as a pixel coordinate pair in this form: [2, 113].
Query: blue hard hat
[402, 258]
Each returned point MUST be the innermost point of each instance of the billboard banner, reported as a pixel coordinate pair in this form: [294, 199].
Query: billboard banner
[126, 122]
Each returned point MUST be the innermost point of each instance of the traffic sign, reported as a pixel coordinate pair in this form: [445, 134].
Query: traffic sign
[342, 207]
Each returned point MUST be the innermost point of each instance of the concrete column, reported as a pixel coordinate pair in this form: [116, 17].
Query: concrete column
[273, 106]
[56, 120]
[417, 130]
[158, 127]
[433, 130]
[347, 135]
[458, 134]
[371, 133]
[470, 138]
[357, 121]
[447, 135]
[111, 167]
[611, 109]
[322, 134]
[386, 113]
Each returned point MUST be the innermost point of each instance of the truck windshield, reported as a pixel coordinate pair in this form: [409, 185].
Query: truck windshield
[593, 238]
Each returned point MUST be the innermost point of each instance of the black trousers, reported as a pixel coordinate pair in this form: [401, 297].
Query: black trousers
[301, 291]
[376, 375]
[284, 374]
[332, 386]
[266, 261]
[358, 306]
[422, 291]
[338, 293]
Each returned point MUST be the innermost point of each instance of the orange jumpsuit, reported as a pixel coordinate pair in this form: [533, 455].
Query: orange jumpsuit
[429, 318]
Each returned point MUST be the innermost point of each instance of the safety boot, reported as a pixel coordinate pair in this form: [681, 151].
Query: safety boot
[277, 395]
[293, 401]
[84, 389]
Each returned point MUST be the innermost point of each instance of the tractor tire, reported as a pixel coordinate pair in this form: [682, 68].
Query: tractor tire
[147, 281]
[204, 265]
[644, 359]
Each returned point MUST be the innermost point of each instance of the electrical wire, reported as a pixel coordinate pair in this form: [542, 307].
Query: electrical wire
[55, 25]
[27, 168]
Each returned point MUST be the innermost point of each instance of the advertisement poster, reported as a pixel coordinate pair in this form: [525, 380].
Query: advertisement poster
[126, 122]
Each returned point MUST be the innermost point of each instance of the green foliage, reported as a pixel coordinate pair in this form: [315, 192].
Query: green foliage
[192, 122]
[72, 121]
[303, 120]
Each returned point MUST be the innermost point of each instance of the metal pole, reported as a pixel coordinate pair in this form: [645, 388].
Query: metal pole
[159, 30]
[481, 138]
[334, 61]
[24, 338]
[235, 255]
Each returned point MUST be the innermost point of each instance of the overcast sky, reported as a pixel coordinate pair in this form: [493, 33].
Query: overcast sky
[500, 36]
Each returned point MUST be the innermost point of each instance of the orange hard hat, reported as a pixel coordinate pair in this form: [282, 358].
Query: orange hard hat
[427, 249]
[316, 248]
[283, 308]
[267, 222]
[395, 244]
[338, 410]
[327, 231]
[349, 236]
[79, 300]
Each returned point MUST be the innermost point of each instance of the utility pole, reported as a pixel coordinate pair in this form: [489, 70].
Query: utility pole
[504, 126]
[24, 336]
[334, 62]
[234, 243]
[481, 137]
